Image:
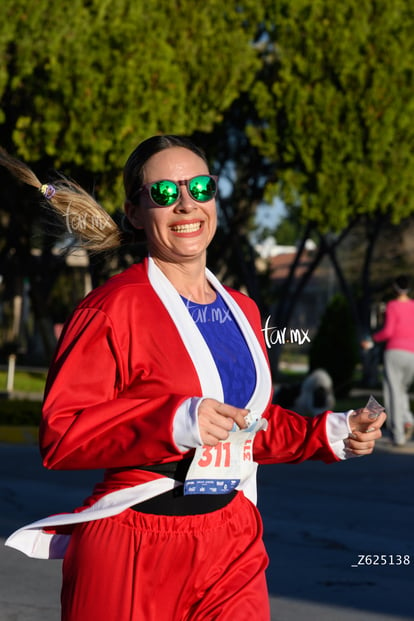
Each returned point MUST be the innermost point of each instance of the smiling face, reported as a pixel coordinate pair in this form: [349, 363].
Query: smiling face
[181, 232]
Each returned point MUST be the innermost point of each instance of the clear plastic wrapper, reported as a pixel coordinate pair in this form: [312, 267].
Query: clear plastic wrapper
[374, 408]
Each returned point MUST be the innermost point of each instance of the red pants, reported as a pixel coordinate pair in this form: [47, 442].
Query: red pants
[139, 567]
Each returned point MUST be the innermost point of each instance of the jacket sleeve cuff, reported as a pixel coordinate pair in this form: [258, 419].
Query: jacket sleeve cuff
[337, 431]
[186, 432]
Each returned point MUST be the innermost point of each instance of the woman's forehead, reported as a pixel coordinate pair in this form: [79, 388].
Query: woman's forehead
[174, 163]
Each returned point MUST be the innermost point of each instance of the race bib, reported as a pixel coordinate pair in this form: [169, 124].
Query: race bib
[220, 469]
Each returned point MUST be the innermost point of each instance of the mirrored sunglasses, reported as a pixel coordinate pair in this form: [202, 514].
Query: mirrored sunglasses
[165, 192]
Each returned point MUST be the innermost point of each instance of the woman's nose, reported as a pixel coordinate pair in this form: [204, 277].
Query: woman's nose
[186, 202]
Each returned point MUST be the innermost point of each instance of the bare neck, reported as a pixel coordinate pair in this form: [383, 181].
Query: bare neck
[189, 279]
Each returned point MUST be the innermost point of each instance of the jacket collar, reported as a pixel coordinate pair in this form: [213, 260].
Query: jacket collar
[197, 348]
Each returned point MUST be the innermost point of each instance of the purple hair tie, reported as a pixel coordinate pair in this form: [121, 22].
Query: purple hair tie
[47, 190]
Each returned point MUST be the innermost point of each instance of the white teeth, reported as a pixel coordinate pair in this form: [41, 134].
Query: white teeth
[186, 228]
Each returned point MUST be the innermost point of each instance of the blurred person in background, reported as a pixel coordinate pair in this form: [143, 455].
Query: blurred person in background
[398, 335]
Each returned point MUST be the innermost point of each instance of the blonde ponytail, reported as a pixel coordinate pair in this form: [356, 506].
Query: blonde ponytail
[83, 217]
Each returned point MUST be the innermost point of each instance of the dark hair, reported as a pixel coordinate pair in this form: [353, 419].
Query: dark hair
[135, 164]
[401, 283]
[92, 224]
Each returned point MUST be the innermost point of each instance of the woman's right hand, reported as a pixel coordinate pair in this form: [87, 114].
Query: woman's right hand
[216, 420]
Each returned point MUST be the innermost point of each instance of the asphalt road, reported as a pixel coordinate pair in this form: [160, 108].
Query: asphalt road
[319, 522]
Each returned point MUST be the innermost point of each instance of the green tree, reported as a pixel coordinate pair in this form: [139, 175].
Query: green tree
[335, 100]
[336, 333]
[83, 81]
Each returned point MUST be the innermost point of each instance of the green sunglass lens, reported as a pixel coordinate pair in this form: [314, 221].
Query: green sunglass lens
[164, 193]
[202, 188]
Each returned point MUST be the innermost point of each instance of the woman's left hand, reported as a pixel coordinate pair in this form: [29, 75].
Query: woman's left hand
[365, 431]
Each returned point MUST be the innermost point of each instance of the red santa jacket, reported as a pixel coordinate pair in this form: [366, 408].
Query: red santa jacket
[128, 359]
[120, 372]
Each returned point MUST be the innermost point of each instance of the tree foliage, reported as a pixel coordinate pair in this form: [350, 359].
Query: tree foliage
[336, 334]
[83, 81]
[336, 101]
[309, 100]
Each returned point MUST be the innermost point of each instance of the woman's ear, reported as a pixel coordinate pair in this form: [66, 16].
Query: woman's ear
[134, 214]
